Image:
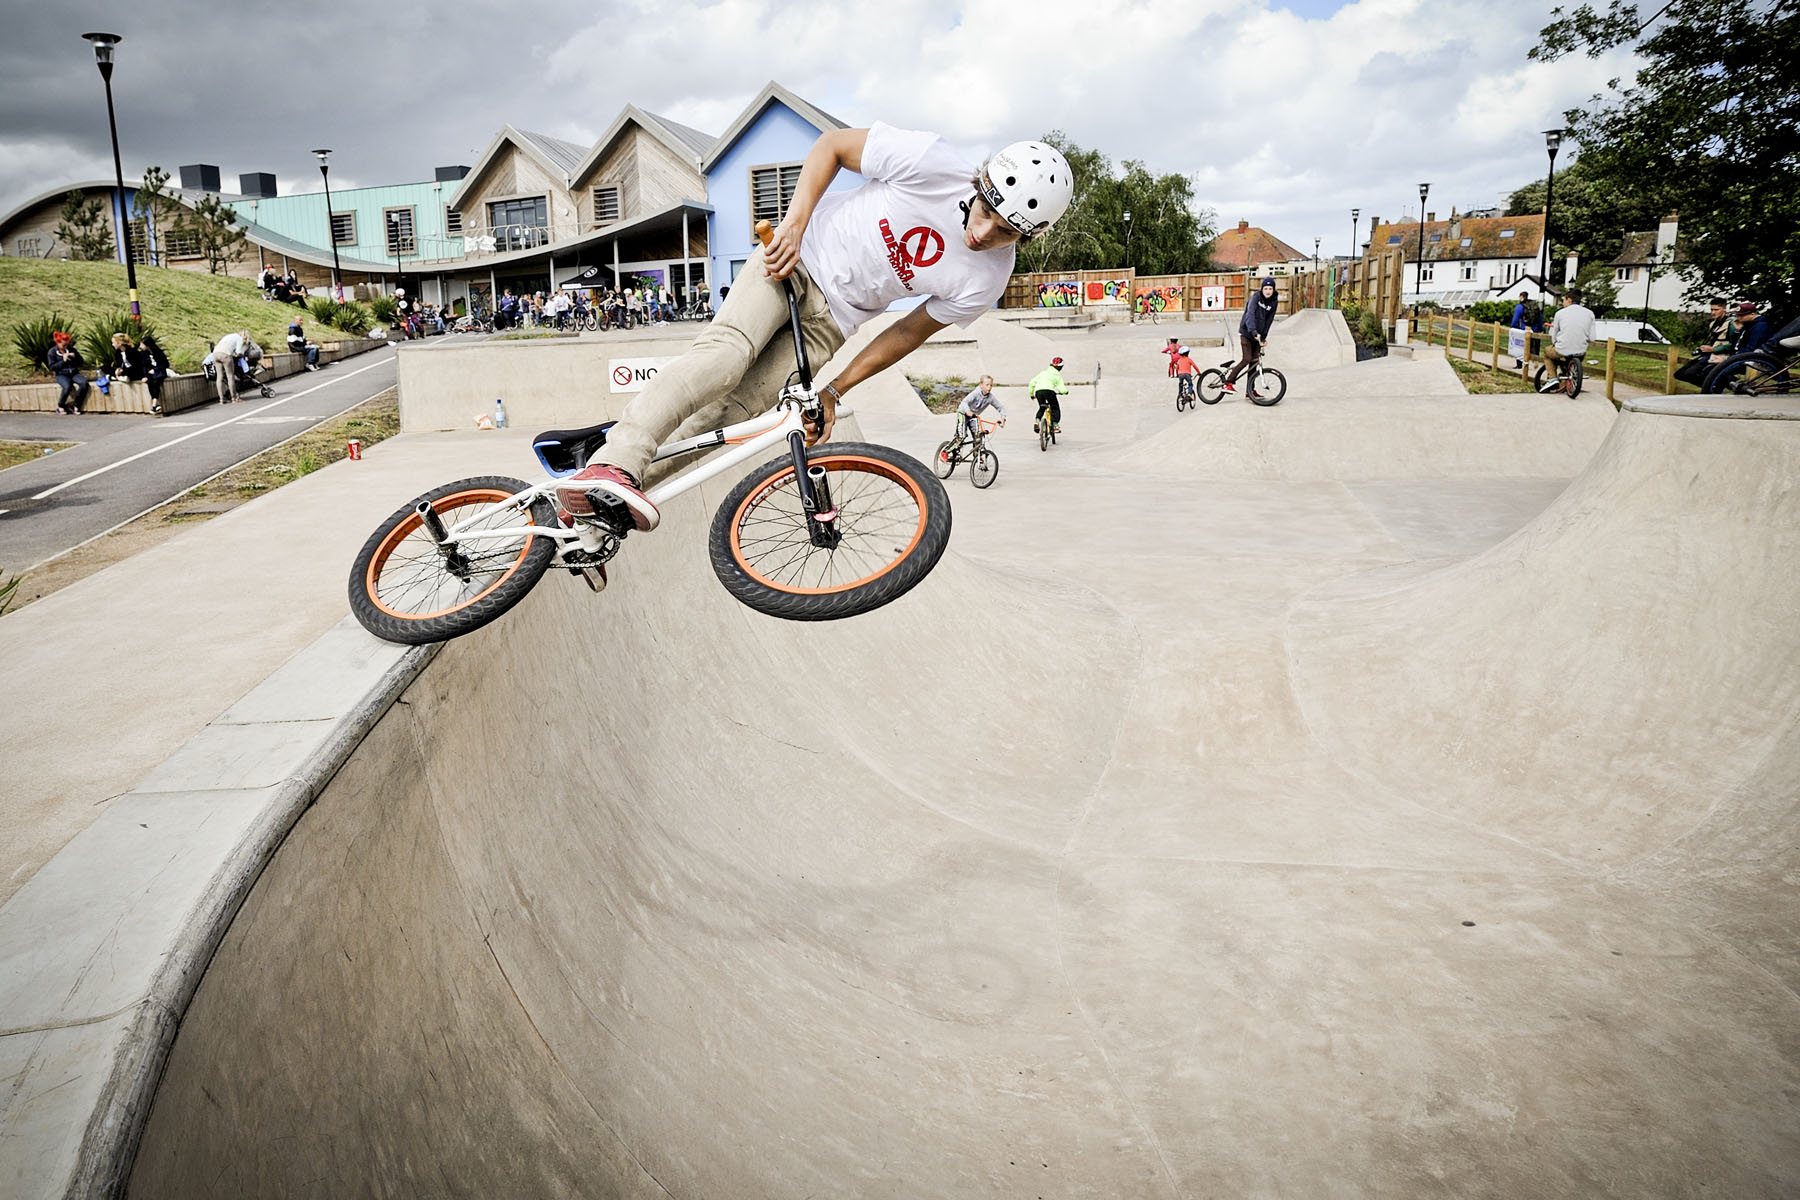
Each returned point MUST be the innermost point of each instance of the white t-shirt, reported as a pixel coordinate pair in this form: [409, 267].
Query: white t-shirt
[901, 234]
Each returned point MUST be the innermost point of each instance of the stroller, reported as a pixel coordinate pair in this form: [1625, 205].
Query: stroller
[247, 371]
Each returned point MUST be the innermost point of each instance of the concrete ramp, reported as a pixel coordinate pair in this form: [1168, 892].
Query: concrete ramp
[1218, 839]
[1311, 339]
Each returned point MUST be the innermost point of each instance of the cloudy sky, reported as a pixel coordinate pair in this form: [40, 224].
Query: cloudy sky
[1285, 113]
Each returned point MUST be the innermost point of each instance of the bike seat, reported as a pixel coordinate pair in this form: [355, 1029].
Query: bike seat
[566, 451]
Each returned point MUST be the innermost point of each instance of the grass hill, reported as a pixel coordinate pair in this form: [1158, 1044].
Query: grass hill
[187, 309]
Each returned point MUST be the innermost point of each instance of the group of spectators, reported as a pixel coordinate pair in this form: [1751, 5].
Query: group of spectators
[610, 307]
[285, 289]
[140, 359]
[1731, 329]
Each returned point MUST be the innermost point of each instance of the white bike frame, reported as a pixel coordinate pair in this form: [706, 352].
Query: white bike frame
[747, 439]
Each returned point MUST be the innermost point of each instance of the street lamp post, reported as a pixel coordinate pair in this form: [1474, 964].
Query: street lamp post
[1552, 139]
[1128, 238]
[1355, 224]
[337, 275]
[1649, 278]
[1419, 272]
[103, 55]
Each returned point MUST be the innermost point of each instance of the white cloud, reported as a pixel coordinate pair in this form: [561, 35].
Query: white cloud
[1279, 119]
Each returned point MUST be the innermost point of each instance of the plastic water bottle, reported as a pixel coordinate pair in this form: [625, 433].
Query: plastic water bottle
[499, 415]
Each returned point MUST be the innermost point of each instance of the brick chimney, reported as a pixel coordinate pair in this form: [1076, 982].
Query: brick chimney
[1243, 226]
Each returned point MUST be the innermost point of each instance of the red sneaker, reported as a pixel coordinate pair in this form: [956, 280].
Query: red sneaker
[1228, 389]
[608, 481]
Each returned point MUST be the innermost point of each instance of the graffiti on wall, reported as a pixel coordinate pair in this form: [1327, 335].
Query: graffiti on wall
[1165, 298]
[1108, 291]
[1064, 293]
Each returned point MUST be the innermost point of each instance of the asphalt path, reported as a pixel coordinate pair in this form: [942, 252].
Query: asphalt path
[126, 465]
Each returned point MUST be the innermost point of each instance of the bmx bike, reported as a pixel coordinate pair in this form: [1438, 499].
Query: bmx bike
[1565, 379]
[1184, 392]
[1265, 386]
[984, 464]
[816, 533]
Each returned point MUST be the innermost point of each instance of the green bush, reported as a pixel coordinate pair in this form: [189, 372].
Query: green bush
[386, 309]
[1370, 331]
[33, 341]
[8, 591]
[353, 318]
[323, 309]
[1494, 312]
[96, 343]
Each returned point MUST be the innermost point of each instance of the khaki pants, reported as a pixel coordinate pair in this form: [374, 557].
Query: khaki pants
[733, 371]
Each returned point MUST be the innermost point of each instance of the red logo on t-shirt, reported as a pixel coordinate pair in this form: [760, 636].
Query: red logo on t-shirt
[898, 259]
[923, 245]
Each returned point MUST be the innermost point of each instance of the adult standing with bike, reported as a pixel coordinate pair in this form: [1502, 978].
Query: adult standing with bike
[925, 224]
[1253, 328]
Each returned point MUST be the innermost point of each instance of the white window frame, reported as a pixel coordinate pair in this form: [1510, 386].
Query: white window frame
[1468, 271]
[784, 191]
[601, 215]
[1624, 274]
[1426, 272]
[403, 244]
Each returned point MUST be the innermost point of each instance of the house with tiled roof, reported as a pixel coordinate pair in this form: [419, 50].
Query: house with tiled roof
[1249, 248]
[1465, 258]
[1655, 260]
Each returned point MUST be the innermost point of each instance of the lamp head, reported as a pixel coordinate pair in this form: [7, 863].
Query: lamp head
[1423, 188]
[1552, 139]
[103, 50]
[323, 156]
[1128, 216]
[1356, 214]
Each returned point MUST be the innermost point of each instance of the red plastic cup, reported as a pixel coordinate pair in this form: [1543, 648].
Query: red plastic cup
[355, 448]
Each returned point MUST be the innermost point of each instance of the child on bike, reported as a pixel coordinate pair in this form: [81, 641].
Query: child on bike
[1182, 364]
[1253, 329]
[925, 224]
[976, 403]
[1046, 387]
[1173, 350]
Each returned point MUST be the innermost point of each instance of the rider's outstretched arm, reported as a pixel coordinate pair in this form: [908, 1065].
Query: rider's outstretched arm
[888, 347]
[841, 149]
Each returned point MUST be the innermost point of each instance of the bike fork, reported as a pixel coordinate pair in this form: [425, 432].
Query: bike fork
[815, 495]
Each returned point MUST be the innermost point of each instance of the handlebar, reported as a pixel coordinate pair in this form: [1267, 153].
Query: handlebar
[765, 233]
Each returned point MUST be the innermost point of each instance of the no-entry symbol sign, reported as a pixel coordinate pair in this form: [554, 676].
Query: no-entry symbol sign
[631, 374]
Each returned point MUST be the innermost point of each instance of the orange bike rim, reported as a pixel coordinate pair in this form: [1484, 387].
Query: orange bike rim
[854, 462]
[405, 529]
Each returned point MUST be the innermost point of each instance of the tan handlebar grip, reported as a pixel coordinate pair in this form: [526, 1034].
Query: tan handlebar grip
[765, 233]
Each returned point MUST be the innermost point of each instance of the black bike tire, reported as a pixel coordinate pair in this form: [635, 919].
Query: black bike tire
[1262, 398]
[1044, 432]
[1210, 386]
[931, 535]
[943, 463]
[468, 615]
[984, 455]
[1537, 379]
[1718, 379]
[1576, 373]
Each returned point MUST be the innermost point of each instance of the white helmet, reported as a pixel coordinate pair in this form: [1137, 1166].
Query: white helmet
[1029, 184]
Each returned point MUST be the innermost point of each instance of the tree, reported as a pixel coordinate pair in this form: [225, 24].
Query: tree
[1713, 117]
[1592, 216]
[212, 226]
[84, 228]
[1168, 234]
[157, 210]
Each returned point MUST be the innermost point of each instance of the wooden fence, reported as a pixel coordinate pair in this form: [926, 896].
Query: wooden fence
[1485, 343]
[1373, 282]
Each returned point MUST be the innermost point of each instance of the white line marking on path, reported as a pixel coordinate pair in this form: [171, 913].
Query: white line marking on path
[184, 437]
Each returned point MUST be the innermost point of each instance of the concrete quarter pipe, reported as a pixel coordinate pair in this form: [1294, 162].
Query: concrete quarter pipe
[1123, 864]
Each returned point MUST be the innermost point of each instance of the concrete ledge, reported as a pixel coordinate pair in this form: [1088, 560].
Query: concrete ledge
[101, 950]
[1735, 408]
[180, 392]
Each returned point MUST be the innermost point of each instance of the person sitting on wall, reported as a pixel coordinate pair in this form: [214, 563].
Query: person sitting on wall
[297, 343]
[65, 365]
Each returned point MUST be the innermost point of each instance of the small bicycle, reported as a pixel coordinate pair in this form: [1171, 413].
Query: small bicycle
[817, 533]
[1264, 386]
[1565, 379]
[1184, 392]
[984, 464]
